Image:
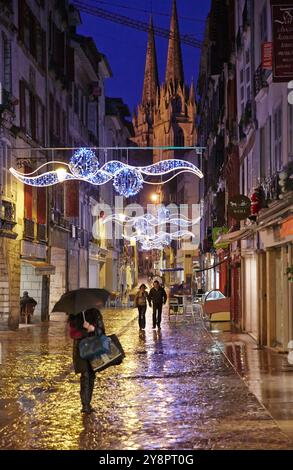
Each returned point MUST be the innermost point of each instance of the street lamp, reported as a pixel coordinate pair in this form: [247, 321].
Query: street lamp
[61, 174]
[155, 197]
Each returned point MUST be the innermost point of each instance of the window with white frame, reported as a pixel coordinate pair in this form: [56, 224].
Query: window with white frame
[5, 175]
[247, 74]
[6, 57]
[277, 123]
[249, 173]
[242, 92]
[263, 23]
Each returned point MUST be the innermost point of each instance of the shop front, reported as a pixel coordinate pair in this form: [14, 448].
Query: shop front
[35, 274]
[276, 236]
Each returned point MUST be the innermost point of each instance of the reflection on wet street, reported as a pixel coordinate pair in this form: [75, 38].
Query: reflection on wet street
[174, 390]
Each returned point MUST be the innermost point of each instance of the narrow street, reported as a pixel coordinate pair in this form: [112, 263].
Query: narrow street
[175, 390]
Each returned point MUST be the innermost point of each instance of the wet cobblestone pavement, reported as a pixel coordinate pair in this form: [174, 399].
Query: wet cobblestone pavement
[175, 390]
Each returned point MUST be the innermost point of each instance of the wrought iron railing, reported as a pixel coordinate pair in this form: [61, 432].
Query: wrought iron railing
[41, 233]
[29, 229]
[260, 79]
[7, 215]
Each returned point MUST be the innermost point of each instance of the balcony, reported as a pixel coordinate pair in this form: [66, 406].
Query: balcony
[29, 229]
[260, 79]
[8, 103]
[6, 7]
[41, 233]
[7, 219]
[59, 221]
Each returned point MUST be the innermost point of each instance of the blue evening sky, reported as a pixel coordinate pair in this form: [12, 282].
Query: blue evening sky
[125, 48]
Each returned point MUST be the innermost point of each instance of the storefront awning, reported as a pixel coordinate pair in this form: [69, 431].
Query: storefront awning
[232, 237]
[42, 268]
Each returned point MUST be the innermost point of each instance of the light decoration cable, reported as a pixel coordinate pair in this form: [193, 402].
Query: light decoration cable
[128, 180]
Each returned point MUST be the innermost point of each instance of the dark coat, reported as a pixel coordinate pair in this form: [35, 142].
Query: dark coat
[157, 296]
[94, 317]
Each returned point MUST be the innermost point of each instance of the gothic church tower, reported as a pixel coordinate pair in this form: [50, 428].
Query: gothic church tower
[166, 115]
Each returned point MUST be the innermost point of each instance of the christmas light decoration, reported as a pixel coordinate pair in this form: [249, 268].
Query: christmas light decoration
[84, 163]
[153, 220]
[163, 237]
[128, 180]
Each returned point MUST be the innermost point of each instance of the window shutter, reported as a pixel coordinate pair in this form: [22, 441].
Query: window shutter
[71, 198]
[41, 205]
[70, 64]
[21, 14]
[33, 116]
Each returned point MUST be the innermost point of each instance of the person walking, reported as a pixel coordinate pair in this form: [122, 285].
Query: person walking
[157, 297]
[141, 303]
[80, 326]
[27, 307]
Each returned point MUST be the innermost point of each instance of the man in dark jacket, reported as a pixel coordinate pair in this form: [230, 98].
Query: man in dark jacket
[27, 306]
[157, 297]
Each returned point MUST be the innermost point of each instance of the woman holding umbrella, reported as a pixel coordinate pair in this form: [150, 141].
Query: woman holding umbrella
[83, 305]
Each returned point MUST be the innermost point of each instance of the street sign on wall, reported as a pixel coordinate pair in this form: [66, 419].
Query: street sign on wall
[282, 19]
[239, 207]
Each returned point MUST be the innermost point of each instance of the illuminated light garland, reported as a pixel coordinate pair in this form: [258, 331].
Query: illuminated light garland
[46, 179]
[84, 166]
[166, 166]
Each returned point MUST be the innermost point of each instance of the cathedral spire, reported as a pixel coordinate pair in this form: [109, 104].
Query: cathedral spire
[174, 69]
[151, 79]
[192, 92]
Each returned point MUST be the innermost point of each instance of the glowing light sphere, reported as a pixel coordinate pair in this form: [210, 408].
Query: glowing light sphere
[84, 163]
[128, 181]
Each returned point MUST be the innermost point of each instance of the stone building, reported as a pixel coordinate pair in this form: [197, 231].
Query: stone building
[52, 103]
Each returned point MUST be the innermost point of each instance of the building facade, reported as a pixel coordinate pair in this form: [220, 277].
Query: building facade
[52, 103]
[256, 163]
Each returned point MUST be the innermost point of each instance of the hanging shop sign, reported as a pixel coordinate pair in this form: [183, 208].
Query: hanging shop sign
[282, 21]
[239, 207]
[267, 55]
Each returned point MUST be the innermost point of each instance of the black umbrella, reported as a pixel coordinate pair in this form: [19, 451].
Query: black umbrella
[76, 301]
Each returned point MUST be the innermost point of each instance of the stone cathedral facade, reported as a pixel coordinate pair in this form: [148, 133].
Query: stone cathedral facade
[166, 115]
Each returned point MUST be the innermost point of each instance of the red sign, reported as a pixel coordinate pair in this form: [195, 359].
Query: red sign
[282, 18]
[267, 55]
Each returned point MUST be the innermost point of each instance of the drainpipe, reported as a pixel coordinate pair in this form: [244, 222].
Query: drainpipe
[48, 189]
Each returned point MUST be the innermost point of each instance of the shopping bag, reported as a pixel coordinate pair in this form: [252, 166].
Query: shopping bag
[112, 358]
[92, 346]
